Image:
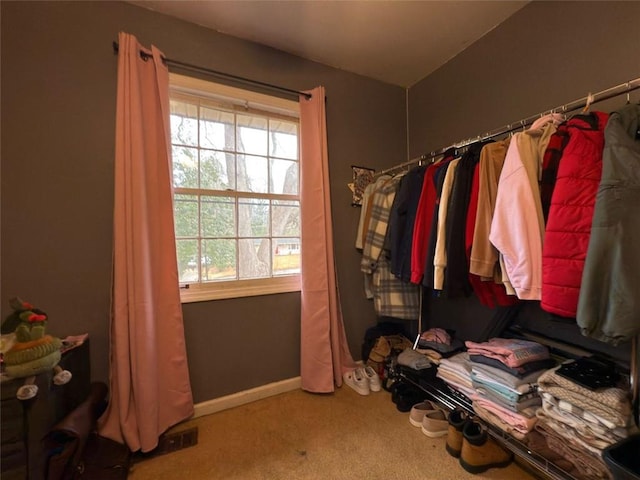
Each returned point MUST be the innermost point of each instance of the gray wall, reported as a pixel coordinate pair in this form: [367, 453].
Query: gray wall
[58, 110]
[545, 55]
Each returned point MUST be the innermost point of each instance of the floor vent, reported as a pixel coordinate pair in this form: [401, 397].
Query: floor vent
[173, 441]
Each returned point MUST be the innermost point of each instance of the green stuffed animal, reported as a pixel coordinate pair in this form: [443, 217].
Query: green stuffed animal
[31, 351]
[19, 307]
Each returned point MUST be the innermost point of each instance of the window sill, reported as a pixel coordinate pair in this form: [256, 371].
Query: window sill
[204, 292]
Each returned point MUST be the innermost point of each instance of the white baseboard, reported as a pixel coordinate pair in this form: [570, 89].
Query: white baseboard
[246, 396]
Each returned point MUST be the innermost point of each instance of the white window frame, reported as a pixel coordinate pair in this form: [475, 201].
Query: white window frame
[205, 291]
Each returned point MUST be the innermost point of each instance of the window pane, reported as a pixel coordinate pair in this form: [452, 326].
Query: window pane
[286, 256]
[184, 123]
[231, 169]
[252, 174]
[218, 217]
[217, 170]
[284, 177]
[187, 266]
[185, 167]
[285, 218]
[253, 217]
[217, 129]
[185, 215]
[284, 139]
[252, 134]
[218, 260]
[255, 258]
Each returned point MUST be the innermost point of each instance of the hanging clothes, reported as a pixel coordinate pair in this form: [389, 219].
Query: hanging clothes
[428, 277]
[609, 299]
[550, 164]
[484, 256]
[363, 229]
[568, 227]
[489, 292]
[381, 202]
[365, 212]
[517, 228]
[440, 252]
[424, 218]
[456, 274]
[391, 296]
[402, 220]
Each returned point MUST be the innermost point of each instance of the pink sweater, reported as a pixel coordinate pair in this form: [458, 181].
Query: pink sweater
[510, 351]
[517, 227]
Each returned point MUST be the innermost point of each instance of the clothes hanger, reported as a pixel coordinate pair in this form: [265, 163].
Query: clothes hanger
[628, 93]
[589, 102]
[509, 131]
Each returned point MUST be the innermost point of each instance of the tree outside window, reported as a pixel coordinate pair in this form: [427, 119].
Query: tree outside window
[236, 187]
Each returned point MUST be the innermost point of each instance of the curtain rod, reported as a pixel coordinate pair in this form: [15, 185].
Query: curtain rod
[216, 73]
[590, 99]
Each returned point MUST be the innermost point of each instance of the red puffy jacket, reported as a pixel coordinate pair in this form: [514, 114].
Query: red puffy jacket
[568, 226]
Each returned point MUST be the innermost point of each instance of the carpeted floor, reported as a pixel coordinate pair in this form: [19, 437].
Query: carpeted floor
[303, 436]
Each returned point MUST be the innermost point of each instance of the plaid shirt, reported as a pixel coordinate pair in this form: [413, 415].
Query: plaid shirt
[391, 296]
[374, 241]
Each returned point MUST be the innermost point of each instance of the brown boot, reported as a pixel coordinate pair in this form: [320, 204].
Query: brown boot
[457, 420]
[481, 452]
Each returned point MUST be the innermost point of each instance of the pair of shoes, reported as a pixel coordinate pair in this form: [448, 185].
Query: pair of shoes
[400, 387]
[406, 395]
[468, 439]
[431, 419]
[375, 384]
[419, 410]
[363, 380]
[435, 424]
[457, 420]
[356, 380]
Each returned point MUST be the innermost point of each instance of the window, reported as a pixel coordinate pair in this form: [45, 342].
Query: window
[235, 157]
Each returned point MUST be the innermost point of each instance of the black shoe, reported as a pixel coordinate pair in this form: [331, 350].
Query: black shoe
[398, 388]
[406, 399]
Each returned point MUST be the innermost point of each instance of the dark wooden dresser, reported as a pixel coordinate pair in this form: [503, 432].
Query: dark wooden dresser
[25, 423]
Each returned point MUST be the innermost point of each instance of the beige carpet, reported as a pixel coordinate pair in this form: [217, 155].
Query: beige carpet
[303, 436]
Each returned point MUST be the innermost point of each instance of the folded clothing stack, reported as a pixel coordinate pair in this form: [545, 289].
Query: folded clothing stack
[412, 359]
[504, 375]
[582, 423]
[456, 372]
[437, 343]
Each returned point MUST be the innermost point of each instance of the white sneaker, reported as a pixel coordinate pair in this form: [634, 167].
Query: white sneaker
[375, 385]
[356, 380]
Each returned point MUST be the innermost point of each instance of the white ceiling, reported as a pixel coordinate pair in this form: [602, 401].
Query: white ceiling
[398, 42]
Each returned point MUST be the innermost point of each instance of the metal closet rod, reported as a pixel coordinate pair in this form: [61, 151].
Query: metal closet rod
[216, 73]
[590, 99]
